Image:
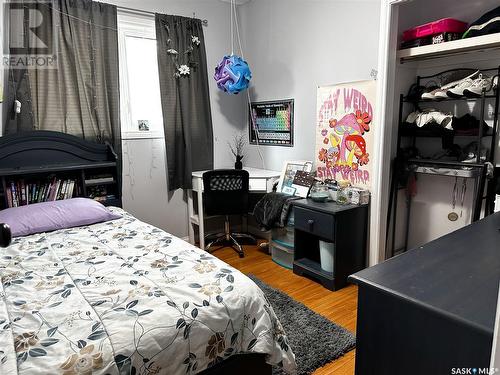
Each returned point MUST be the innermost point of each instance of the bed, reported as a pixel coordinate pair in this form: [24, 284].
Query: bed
[124, 297]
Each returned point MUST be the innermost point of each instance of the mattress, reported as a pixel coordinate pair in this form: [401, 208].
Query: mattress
[124, 297]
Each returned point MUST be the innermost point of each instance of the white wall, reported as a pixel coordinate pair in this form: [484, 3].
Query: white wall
[144, 182]
[294, 46]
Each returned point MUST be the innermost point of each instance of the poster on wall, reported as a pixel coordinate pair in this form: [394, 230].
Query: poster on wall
[271, 123]
[344, 132]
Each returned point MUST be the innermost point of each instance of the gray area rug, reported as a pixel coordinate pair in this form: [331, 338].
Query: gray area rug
[314, 339]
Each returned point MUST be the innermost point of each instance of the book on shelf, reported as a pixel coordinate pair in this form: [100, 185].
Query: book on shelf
[19, 193]
[8, 193]
[99, 179]
[22, 189]
[15, 200]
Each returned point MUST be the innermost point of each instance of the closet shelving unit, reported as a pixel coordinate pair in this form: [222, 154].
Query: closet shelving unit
[455, 47]
[477, 170]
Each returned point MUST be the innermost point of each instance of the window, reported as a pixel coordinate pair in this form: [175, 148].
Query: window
[141, 112]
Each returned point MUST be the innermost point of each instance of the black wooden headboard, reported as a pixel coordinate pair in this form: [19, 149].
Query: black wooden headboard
[45, 148]
[32, 157]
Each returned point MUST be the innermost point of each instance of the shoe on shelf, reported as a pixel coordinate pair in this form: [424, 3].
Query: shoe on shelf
[415, 92]
[456, 75]
[464, 74]
[475, 90]
[455, 89]
[429, 92]
[469, 153]
[472, 158]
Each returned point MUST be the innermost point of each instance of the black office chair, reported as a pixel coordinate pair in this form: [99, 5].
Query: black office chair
[226, 193]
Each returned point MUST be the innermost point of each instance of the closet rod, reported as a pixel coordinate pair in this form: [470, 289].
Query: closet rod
[140, 11]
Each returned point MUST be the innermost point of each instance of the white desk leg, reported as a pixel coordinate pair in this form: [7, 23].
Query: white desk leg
[201, 226]
[190, 215]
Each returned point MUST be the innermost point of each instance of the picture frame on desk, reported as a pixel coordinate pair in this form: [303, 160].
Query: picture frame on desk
[290, 168]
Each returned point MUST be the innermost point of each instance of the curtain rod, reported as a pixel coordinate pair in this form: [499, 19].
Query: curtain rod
[133, 10]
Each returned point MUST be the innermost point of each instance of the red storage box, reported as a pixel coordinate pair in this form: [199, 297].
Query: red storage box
[445, 25]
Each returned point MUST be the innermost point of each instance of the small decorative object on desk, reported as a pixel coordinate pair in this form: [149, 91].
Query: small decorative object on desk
[319, 192]
[287, 183]
[237, 148]
[359, 196]
[333, 188]
[343, 193]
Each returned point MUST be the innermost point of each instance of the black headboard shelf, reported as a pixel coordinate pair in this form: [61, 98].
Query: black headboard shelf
[39, 158]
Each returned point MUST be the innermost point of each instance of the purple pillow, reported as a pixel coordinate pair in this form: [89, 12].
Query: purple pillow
[49, 216]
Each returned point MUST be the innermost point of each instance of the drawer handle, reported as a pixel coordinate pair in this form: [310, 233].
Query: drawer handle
[310, 223]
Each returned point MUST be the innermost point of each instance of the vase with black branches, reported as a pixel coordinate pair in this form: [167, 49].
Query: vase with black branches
[237, 147]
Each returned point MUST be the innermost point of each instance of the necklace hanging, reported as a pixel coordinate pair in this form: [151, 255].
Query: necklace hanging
[453, 216]
[462, 198]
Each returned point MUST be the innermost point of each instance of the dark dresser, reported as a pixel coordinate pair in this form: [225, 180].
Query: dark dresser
[432, 309]
[344, 225]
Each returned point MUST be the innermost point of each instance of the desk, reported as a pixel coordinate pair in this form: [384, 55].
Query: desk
[433, 308]
[261, 181]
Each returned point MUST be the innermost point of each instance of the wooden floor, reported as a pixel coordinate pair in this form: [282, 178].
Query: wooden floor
[340, 306]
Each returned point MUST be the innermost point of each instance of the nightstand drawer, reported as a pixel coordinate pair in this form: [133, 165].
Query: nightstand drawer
[314, 222]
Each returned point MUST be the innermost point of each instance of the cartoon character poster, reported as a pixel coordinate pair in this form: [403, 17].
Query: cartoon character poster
[344, 139]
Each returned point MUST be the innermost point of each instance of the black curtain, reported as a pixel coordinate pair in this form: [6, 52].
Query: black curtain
[187, 117]
[80, 95]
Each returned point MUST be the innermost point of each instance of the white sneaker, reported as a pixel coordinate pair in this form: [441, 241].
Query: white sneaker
[443, 92]
[478, 86]
[430, 95]
[458, 90]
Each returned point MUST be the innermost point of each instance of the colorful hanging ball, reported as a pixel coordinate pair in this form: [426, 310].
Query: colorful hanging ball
[232, 74]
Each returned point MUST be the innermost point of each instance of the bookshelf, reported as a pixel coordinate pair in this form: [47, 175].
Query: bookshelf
[44, 166]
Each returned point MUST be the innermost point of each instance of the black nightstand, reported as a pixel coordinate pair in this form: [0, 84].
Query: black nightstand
[344, 225]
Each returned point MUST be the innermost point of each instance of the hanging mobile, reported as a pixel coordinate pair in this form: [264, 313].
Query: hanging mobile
[453, 216]
[233, 74]
[462, 198]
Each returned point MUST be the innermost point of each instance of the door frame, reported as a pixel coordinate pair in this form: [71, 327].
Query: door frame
[384, 142]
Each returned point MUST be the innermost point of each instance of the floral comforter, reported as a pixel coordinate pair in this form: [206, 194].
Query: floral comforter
[123, 297]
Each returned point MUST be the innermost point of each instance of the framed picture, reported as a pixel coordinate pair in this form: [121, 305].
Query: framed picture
[271, 123]
[290, 169]
[143, 125]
